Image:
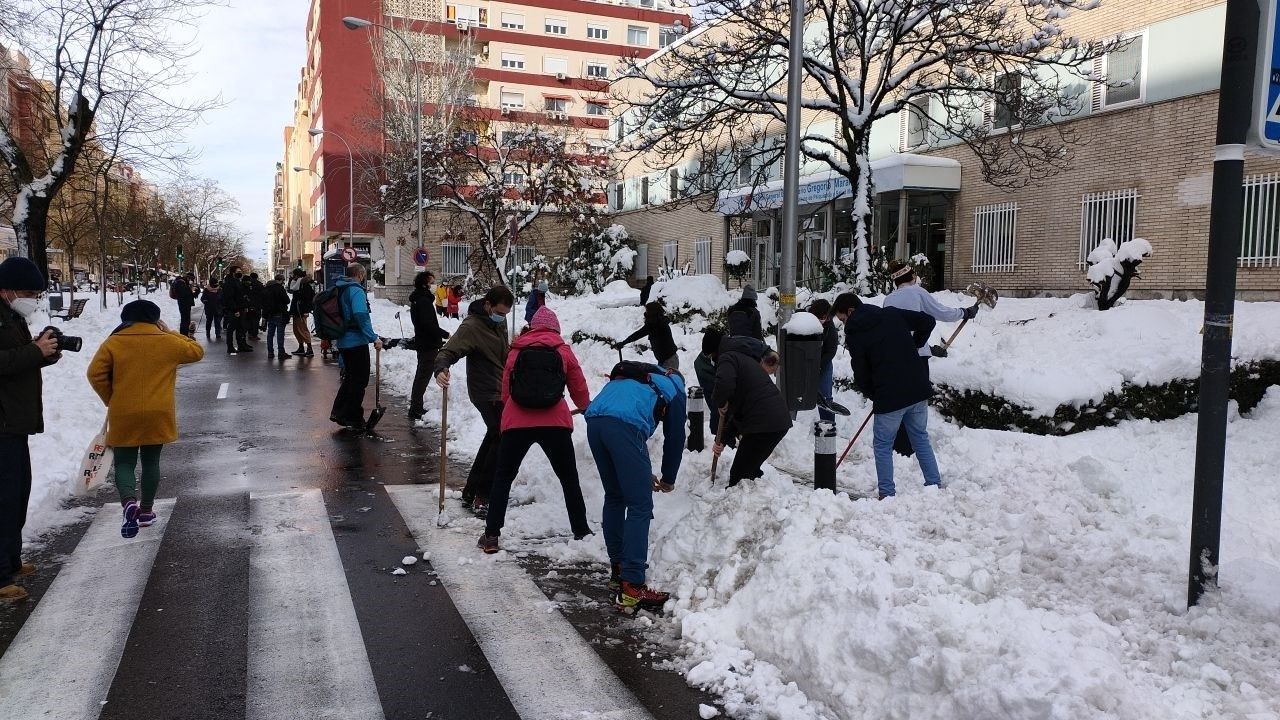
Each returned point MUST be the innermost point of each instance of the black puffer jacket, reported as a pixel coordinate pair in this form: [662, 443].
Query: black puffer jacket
[744, 319]
[883, 344]
[755, 403]
[275, 299]
[428, 337]
[21, 403]
[658, 329]
[830, 341]
[234, 299]
[300, 305]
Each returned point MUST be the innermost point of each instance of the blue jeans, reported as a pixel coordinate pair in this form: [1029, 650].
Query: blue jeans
[915, 418]
[622, 458]
[825, 384]
[275, 331]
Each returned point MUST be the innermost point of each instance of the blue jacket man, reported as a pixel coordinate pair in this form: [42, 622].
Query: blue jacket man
[353, 346]
[620, 421]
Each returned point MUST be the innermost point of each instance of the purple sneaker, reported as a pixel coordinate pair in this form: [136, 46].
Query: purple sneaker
[130, 527]
[146, 518]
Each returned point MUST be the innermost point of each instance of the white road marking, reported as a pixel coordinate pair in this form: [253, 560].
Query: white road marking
[222, 391]
[64, 659]
[306, 655]
[547, 669]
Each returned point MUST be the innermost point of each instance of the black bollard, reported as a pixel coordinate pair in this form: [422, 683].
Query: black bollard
[696, 408]
[824, 455]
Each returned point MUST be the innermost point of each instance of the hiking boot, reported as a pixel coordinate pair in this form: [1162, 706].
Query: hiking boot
[488, 543]
[146, 518]
[634, 597]
[480, 507]
[12, 593]
[25, 569]
[130, 526]
[309, 352]
[299, 352]
[417, 414]
[615, 576]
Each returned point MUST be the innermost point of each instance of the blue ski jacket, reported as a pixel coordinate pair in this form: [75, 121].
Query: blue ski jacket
[632, 402]
[355, 310]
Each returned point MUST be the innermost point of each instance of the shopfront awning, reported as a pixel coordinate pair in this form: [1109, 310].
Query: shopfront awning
[902, 171]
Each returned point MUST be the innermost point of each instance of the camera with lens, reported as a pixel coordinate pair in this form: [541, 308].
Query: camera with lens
[70, 343]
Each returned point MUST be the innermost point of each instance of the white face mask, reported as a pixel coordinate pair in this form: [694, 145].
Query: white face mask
[26, 307]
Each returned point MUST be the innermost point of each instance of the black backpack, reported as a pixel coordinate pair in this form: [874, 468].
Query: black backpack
[537, 379]
[640, 372]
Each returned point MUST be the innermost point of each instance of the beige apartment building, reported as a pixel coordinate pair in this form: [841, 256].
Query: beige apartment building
[1143, 169]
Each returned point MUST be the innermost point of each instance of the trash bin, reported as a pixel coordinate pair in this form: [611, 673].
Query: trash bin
[801, 365]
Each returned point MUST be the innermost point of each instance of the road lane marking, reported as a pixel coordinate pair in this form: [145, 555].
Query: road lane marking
[222, 391]
[63, 661]
[505, 611]
[306, 654]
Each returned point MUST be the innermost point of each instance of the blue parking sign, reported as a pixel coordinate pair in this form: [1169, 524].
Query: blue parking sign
[1267, 98]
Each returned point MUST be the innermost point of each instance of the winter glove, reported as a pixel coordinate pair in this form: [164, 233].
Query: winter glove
[938, 351]
[971, 312]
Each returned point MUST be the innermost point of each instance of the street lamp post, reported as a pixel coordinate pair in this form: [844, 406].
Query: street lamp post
[355, 23]
[351, 185]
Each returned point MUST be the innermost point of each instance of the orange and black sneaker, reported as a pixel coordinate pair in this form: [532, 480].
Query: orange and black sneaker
[637, 597]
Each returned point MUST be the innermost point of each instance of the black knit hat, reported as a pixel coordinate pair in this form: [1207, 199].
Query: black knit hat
[140, 311]
[19, 273]
[711, 338]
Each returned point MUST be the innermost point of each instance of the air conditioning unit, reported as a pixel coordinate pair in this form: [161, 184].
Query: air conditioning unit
[464, 25]
[561, 76]
[506, 110]
[556, 115]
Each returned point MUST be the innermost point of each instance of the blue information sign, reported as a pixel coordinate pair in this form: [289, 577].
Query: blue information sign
[1266, 125]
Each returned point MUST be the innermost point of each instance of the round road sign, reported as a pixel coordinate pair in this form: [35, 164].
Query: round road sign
[349, 254]
[420, 257]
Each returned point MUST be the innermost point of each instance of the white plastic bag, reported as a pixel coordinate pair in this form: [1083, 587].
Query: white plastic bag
[97, 463]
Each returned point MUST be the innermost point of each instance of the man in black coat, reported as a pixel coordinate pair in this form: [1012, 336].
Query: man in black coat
[300, 306]
[657, 327]
[180, 290]
[744, 316]
[235, 304]
[21, 410]
[884, 349]
[756, 416]
[256, 293]
[428, 338]
[275, 309]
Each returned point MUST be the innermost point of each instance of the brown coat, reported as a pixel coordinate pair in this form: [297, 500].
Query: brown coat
[135, 372]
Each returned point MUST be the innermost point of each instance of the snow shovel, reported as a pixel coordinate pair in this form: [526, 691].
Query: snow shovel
[379, 409]
[442, 518]
[854, 439]
[715, 458]
[984, 294]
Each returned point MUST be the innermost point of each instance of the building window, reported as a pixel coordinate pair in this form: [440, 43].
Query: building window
[595, 108]
[995, 232]
[917, 127]
[644, 190]
[597, 70]
[556, 26]
[642, 260]
[1260, 246]
[555, 66]
[1125, 68]
[512, 21]
[1111, 214]
[511, 61]
[523, 255]
[668, 35]
[702, 255]
[637, 35]
[507, 138]
[454, 258]
[597, 32]
[468, 137]
[1008, 100]
[512, 100]
[513, 179]
[555, 105]
[469, 14]
[619, 194]
[670, 253]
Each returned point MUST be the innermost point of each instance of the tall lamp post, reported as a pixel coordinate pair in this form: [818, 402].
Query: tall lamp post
[298, 168]
[351, 185]
[355, 23]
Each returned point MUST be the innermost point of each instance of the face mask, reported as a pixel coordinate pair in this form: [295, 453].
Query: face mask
[26, 307]
[497, 319]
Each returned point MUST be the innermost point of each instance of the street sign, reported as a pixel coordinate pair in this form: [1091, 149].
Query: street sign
[1265, 130]
[349, 254]
[420, 257]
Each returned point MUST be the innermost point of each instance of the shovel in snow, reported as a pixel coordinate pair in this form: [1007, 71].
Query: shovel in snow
[984, 294]
[379, 409]
[442, 518]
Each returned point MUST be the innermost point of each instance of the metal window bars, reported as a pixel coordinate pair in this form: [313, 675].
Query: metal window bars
[995, 233]
[1260, 243]
[1108, 214]
[455, 258]
[702, 255]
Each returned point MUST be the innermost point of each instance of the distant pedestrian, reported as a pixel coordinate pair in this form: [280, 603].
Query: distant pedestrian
[454, 301]
[180, 289]
[755, 414]
[211, 298]
[235, 306]
[300, 306]
[482, 340]
[135, 371]
[620, 420]
[442, 298]
[646, 290]
[705, 368]
[275, 310]
[744, 316]
[657, 327]
[255, 293]
[353, 346]
[22, 357]
[538, 371]
[537, 298]
[428, 338]
[884, 350]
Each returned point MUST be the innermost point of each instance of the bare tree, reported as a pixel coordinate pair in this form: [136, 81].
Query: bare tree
[998, 76]
[112, 65]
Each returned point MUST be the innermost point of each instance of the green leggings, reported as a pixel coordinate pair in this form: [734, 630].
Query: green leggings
[126, 462]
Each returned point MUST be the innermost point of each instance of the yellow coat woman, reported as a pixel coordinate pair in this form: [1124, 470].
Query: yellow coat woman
[135, 372]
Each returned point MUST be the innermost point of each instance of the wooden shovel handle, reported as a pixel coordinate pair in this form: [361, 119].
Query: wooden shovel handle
[947, 345]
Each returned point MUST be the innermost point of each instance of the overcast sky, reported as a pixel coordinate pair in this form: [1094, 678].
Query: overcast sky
[251, 52]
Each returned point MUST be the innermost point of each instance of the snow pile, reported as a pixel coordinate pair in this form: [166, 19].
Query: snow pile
[736, 257]
[803, 323]
[698, 293]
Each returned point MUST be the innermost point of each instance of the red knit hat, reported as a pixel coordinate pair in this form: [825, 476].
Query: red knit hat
[545, 319]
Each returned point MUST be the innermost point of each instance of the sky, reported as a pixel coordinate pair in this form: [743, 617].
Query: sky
[251, 53]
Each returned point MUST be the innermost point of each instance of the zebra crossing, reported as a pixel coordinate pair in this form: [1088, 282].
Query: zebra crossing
[306, 655]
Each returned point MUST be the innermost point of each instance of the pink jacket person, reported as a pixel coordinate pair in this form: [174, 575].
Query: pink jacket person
[544, 331]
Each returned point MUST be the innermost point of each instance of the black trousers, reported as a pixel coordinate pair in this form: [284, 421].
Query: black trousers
[348, 406]
[557, 443]
[212, 323]
[235, 332]
[480, 479]
[753, 450]
[252, 320]
[184, 318]
[421, 376]
[15, 491]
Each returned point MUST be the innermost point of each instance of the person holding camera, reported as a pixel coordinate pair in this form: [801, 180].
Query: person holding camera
[135, 372]
[21, 409]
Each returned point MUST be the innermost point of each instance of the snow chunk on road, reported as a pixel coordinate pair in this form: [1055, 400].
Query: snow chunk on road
[408, 560]
[399, 571]
[804, 324]
[706, 712]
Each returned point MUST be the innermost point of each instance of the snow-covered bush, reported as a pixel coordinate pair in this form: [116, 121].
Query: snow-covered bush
[843, 273]
[522, 277]
[738, 264]
[596, 256]
[1111, 269]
